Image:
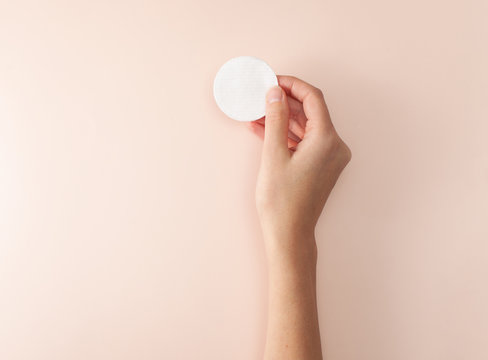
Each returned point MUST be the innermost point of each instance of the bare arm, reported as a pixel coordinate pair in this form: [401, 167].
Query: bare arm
[302, 159]
[293, 329]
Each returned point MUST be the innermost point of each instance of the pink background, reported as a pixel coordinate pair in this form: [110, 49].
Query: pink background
[127, 220]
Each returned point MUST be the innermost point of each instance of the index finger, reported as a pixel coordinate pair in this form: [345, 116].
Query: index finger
[314, 105]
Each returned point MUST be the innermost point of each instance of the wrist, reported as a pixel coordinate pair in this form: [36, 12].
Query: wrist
[290, 248]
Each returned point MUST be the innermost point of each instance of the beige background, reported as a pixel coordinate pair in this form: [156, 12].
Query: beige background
[127, 221]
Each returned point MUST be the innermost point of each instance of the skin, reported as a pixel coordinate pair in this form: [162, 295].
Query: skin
[301, 161]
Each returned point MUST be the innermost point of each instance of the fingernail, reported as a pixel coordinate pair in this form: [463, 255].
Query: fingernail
[274, 94]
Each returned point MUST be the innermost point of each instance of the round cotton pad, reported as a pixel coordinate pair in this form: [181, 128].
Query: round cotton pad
[240, 87]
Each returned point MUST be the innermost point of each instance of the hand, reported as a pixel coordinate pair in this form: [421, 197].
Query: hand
[302, 159]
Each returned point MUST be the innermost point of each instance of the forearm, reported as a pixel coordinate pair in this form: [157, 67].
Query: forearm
[293, 330]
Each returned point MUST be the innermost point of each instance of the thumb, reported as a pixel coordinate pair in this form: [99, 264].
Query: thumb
[276, 120]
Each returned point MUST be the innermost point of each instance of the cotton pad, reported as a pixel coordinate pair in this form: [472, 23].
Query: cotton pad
[240, 87]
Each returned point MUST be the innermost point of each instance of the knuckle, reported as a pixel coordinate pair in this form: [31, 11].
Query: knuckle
[338, 150]
[348, 153]
[317, 93]
[275, 112]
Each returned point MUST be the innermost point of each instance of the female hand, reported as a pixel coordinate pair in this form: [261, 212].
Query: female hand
[302, 159]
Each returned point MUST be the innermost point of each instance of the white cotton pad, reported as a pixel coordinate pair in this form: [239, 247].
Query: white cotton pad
[240, 87]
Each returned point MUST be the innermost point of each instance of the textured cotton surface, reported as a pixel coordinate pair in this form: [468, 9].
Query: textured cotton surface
[240, 87]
